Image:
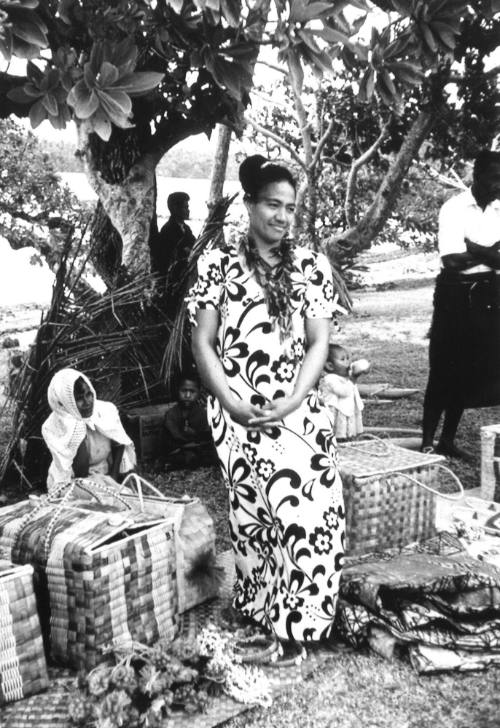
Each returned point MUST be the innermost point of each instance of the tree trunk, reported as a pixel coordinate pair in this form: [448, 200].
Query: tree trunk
[360, 236]
[220, 165]
[125, 218]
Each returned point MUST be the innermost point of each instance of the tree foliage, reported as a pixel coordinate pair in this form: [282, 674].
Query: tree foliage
[139, 76]
[189, 59]
[354, 137]
[36, 209]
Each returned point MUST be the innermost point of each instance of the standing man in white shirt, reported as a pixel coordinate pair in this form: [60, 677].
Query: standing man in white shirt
[464, 349]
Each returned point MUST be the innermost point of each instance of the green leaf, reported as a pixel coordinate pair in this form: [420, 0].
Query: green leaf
[34, 73]
[389, 83]
[403, 7]
[226, 74]
[387, 90]
[27, 26]
[445, 34]
[407, 73]
[370, 83]
[58, 122]
[38, 113]
[303, 12]
[176, 5]
[308, 37]
[399, 46]
[296, 69]
[231, 12]
[102, 126]
[83, 100]
[32, 90]
[88, 75]
[321, 61]
[362, 95]
[19, 96]
[50, 103]
[330, 35]
[107, 75]
[123, 55]
[428, 37]
[6, 45]
[115, 103]
[138, 83]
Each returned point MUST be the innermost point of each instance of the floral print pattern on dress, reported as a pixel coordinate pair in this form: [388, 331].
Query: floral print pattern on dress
[286, 517]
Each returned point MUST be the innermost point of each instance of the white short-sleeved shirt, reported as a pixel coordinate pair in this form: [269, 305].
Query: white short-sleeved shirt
[460, 218]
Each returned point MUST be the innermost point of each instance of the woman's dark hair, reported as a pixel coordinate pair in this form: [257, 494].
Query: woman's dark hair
[256, 172]
[486, 164]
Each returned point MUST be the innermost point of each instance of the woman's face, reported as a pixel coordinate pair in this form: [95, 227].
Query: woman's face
[84, 399]
[271, 214]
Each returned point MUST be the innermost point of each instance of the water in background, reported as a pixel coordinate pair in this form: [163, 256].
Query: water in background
[197, 190]
[23, 283]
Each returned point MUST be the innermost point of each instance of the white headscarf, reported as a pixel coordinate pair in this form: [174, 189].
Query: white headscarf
[65, 429]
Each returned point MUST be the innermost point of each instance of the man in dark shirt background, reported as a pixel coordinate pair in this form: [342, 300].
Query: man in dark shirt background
[174, 241]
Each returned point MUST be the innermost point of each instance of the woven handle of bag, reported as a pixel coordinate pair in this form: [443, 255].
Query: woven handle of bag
[43, 502]
[385, 450]
[140, 484]
[447, 496]
[60, 503]
[93, 488]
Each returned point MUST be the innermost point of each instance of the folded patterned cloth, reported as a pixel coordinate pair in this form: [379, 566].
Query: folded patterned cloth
[443, 602]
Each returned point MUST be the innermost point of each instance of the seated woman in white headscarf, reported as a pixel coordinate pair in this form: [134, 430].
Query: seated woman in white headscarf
[84, 434]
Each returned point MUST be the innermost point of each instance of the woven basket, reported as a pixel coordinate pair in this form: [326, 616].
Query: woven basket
[390, 495]
[490, 463]
[23, 670]
[197, 576]
[100, 575]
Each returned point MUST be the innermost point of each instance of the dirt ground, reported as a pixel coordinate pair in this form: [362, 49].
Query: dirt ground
[354, 689]
[390, 315]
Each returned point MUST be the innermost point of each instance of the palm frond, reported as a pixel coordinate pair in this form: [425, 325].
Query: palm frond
[116, 338]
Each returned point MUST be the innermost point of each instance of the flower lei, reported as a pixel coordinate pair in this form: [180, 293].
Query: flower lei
[144, 685]
[275, 280]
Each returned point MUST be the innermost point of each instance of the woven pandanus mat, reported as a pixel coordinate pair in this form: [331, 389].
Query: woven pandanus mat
[50, 709]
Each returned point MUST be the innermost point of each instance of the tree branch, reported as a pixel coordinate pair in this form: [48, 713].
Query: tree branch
[272, 66]
[43, 218]
[360, 236]
[323, 140]
[167, 135]
[353, 173]
[271, 135]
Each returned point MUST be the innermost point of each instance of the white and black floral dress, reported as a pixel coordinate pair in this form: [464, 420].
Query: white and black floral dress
[286, 506]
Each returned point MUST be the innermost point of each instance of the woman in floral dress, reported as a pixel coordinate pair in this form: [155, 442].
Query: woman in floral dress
[261, 313]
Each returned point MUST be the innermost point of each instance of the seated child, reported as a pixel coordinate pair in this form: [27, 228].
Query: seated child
[340, 393]
[188, 436]
[84, 434]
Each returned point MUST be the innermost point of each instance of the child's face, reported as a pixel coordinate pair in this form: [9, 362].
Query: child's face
[339, 362]
[188, 392]
[84, 399]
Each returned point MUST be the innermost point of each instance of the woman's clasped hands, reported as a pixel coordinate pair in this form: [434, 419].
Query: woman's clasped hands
[263, 417]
